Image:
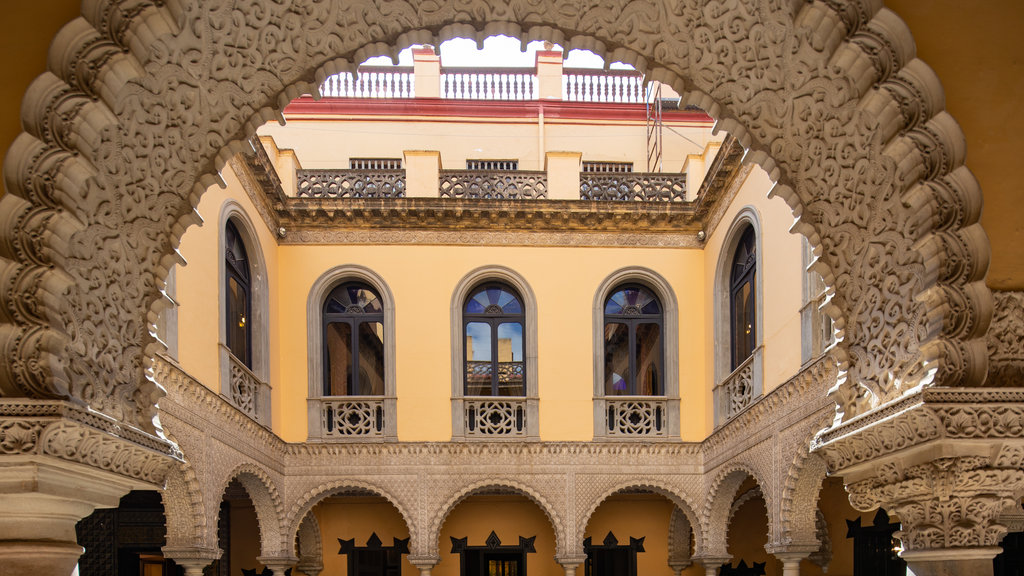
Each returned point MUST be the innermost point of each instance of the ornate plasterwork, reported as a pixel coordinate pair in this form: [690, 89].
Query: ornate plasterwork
[945, 503]
[1006, 341]
[72, 433]
[125, 134]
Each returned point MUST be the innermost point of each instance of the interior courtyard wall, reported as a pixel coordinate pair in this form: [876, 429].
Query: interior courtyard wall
[748, 534]
[635, 516]
[197, 287]
[422, 327]
[245, 538]
[781, 275]
[358, 517]
[508, 516]
[323, 143]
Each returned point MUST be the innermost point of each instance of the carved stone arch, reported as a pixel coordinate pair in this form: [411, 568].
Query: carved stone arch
[670, 322]
[742, 499]
[534, 495]
[269, 507]
[184, 511]
[798, 502]
[126, 133]
[673, 494]
[718, 506]
[310, 545]
[304, 505]
[680, 551]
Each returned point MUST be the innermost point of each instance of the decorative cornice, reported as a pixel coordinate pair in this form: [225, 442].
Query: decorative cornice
[73, 433]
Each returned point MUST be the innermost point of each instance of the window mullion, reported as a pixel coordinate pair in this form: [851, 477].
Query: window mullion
[631, 331]
[353, 385]
[494, 356]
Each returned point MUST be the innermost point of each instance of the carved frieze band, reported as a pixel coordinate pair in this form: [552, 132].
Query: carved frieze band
[69, 432]
[1006, 340]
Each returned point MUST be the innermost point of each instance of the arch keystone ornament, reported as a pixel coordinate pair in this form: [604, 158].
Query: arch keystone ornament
[146, 99]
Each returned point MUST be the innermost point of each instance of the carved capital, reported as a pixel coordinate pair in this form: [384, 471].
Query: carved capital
[946, 503]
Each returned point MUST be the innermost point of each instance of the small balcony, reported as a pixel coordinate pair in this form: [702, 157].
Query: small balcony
[636, 417]
[740, 389]
[495, 417]
[352, 418]
[247, 392]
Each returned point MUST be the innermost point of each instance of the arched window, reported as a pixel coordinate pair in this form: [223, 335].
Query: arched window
[742, 313]
[633, 349]
[493, 323]
[353, 339]
[238, 296]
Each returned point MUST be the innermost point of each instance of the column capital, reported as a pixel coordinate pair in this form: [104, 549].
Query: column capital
[192, 558]
[423, 560]
[278, 564]
[570, 559]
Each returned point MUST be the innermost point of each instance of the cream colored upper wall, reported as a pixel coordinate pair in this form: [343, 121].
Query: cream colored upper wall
[324, 144]
[781, 272]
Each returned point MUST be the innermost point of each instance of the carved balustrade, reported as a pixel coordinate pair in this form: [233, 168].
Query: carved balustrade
[595, 85]
[495, 418]
[736, 392]
[496, 184]
[636, 416]
[489, 83]
[350, 183]
[371, 82]
[633, 186]
[352, 417]
[247, 392]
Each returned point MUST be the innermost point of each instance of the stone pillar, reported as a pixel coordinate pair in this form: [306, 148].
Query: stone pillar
[41, 500]
[563, 170]
[426, 67]
[790, 562]
[192, 559]
[424, 563]
[278, 564]
[712, 564]
[549, 74]
[571, 562]
[422, 173]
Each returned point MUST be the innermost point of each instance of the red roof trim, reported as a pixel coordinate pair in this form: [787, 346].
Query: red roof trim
[307, 107]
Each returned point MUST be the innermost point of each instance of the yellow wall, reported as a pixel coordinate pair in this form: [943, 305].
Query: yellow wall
[636, 516]
[423, 329]
[781, 275]
[199, 311]
[245, 538]
[510, 517]
[348, 517]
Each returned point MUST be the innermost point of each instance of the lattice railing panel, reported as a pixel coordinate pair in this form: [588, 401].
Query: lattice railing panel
[637, 416]
[496, 185]
[495, 418]
[633, 186]
[246, 390]
[738, 388]
[347, 418]
[350, 183]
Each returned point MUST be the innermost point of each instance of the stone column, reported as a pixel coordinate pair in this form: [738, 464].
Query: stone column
[424, 563]
[712, 564]
[790, 562]
[571, 562]
[278, 564]
[193, 560]
[41, 500]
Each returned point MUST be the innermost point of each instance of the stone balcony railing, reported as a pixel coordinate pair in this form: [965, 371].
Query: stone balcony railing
[352, 417]
[247, 392]
[740, 389]
[350, 183]
[636, 416]
[633, 186]
[495, 417]
[493, 184]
